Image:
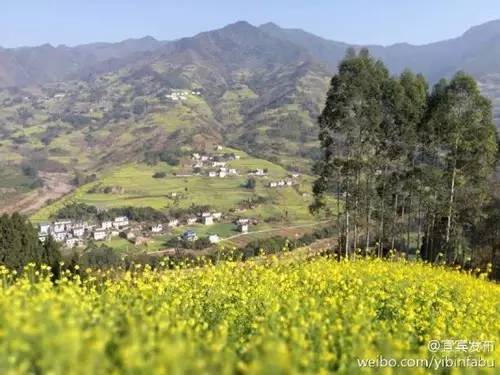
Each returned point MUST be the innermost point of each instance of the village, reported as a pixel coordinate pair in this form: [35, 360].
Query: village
[73, 234]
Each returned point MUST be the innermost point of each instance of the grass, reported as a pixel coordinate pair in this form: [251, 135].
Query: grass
[266, 316]
[140, 189]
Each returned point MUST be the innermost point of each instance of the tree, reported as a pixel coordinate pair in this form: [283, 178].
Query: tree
[19, 244]
[251, 183]
[465, 148]
[400, 161]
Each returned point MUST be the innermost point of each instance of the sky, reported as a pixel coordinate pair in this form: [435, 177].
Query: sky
[72, 22]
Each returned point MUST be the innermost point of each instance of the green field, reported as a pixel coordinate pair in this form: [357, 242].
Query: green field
[135, 186]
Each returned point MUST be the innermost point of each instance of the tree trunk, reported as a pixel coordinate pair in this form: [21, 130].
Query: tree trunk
[394, 219]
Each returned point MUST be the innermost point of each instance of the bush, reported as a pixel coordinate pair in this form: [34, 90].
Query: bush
[159, 175]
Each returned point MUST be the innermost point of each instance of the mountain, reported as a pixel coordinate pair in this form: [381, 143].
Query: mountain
[32, 65]
[78, 111]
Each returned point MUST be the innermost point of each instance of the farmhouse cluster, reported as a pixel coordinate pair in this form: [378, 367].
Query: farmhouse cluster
[214, 165]
[73, 234]
[181, 95]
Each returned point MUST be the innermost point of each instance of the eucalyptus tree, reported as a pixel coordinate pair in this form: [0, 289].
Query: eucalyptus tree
[349, 134]
[464, 147]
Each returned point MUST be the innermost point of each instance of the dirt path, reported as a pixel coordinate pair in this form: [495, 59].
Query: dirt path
[55, 185]
[276, 229]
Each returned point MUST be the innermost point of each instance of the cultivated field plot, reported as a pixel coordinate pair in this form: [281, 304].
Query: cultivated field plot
[134, 185]
[260, 317]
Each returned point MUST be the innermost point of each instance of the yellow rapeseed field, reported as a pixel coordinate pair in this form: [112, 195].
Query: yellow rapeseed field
[259, 317]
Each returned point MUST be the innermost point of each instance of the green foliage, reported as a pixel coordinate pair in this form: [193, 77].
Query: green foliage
[19, 244]
[412, 167]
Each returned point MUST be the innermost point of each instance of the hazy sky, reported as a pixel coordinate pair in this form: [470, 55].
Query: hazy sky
[34, 22]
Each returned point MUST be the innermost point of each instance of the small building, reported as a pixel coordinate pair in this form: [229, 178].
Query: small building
[99, 235]
[281, 183]
[214, 238]
[218, 164]
[173, 223]
[237, 157]
[60, 236]
[259, 172]
[61, 226]
[218, 148]
[190, 236]
[273, 184]
[217, 215]
[242, 221]
[78, 231]
[114, 233]
[120, 222]
[212, 174]
[43, 228]
[157, 228]
[222, 174]
[208, 220]
[204, 158]
[289, 183]
[106, 224]
[196, 156]
[295, 175]
[206, 214]
[233, 171]
[243, 228]
[191, 220]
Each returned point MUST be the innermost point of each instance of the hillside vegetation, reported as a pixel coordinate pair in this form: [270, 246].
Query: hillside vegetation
[258, 317]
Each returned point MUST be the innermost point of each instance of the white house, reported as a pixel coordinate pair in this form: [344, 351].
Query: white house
[60, 226]
[212, 174]
[106, 224]
[281, 183]
[99, 235]
[289, 183]
[214, 238]
[204, 158]
[259, 172]
[243, 228]
[43, 229]
[120, 222]
[222, 174]
[157, 228]
[216, 164]
[196, 156]
[242, 221]
[233, 171]
[237, 157]
[191, 220]
[273, 184]
[206, 214]
[218, 148]
[217, 215]
[173, 223]
[78, 231]
[60, 236]
[208, 220]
